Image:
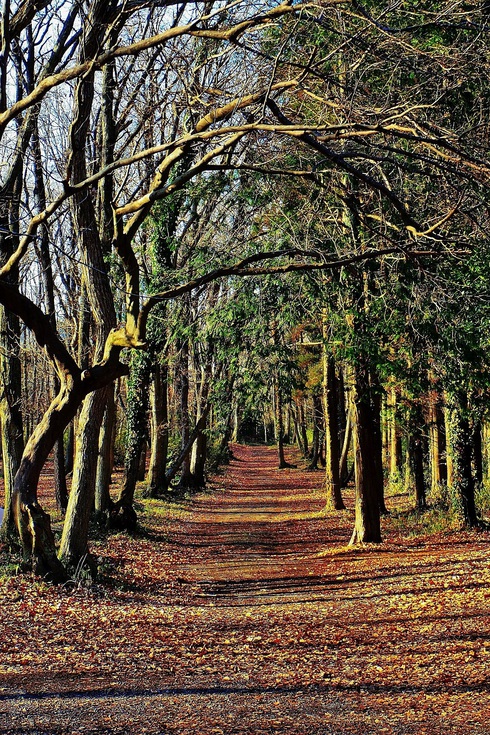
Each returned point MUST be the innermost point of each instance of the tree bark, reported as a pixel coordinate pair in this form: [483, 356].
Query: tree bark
[10, 414]
[159, 431]
[376, 403]
[317, 427]
[282, 464]
[186, 450]
[395, 444]
[435, 443]
[417, 460]
[461, 456]
[367, 528]
[332, 448]
[105, 457]
[74, 540]
[136, 429]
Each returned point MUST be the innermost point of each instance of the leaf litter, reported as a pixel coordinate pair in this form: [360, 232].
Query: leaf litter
[244, 611]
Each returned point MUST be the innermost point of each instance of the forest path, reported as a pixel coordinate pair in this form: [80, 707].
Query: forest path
[244, 612]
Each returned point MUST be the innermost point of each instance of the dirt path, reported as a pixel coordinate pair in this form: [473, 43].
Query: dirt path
[244, 612]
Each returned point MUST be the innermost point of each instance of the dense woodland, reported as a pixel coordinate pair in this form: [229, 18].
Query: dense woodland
[253, 221]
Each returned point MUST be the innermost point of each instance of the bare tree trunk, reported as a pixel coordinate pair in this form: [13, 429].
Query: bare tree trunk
[279, 425]
[367, 520]
[448, 428]
[74, 540]
[395, 445]
[159, 431]
[376, 402]
[332, 448]
[186, 450]
[105, 459]
[183, 383]
[435, 441]
[344, 473]
[317, 427]
[302, 423]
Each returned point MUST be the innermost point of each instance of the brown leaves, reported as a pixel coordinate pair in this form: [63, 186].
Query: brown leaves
[244, 612]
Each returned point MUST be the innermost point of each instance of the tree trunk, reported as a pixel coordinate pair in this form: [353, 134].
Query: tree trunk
[105, 458]
[461, 455]
[74, 540]
[395, 442]
[159, 431]
[279, 425]
[11, 422]
[186, 450]
[478, 451]
[417, 460]
[376, 403]
[32, 522]
[367, 519]
[60, 487]
[344, 473]
[302, 423]
[435, 444]
[10, 413]
[136, 431]
[448, 428]
[70, 448]
[317, 426]
[332, 448]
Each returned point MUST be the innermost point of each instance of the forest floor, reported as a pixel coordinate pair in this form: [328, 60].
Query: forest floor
[243, 611]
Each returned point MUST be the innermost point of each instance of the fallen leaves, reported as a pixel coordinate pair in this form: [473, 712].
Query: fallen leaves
[226, 618]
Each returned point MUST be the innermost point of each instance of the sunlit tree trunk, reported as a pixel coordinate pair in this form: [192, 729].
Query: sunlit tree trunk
[303, 427]
[183, 390]
[159, 431]
[74, 540]
[448, 430]
[200, 448]
[435, 443]
[376, 402]
[395, 444]
[317, 427]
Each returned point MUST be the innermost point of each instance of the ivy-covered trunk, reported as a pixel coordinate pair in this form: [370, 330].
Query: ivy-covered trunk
[136, 431]
[460, 438]
[10, 413]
